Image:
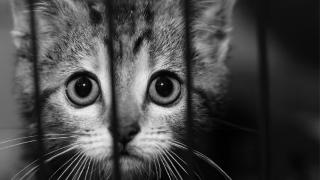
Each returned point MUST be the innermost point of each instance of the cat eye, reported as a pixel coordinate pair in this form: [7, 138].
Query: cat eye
[164, 89]
[82, 90]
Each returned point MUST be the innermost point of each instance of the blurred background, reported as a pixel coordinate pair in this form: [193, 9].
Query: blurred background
[293, 51]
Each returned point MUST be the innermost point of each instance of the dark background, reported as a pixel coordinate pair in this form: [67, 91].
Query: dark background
[293, 51]
[293, 59]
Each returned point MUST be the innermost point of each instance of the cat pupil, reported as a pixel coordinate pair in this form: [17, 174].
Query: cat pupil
[83, 87]
[164, 86]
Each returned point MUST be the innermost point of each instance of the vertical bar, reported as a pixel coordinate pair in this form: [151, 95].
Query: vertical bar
[36, 78]
[262, 22]
[188, 58]
[114, 118]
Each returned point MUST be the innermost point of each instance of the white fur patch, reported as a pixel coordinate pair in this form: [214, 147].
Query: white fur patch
[142, 76]
[97, 145]
[99, 65]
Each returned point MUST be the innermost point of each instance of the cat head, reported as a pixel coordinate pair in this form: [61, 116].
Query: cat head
[149, 72]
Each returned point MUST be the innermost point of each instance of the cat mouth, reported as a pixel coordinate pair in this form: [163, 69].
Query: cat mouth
[126, 155]
[125, 152]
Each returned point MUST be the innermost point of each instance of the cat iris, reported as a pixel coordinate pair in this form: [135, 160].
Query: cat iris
[164, 89]
[82, 89]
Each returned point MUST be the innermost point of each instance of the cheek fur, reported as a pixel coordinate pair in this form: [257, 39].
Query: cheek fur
[97, 143]
[157, 131]
[86, 125]
[153, 139]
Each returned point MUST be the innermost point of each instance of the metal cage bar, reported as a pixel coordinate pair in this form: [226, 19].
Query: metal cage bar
[36, 80]
[114, 118]
[264, 119]
[189, 80]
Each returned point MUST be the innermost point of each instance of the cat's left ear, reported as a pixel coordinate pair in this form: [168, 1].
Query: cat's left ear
[211, 25]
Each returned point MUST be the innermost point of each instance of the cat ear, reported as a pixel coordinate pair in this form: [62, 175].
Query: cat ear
[211, 27]
[51, 17]
[21, 25]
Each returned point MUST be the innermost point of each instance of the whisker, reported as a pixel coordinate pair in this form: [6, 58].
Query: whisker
[29, 172]
[48, 160]
[170, 154]
[204, 158]
[31, 141]
[27, 137]
[179, 158]
[18, 144]
[165, 166]
[30, 164]
[16, 139]
[85, 167]
[156, 169]
[174, 167]
[108, 175]
[74, 160]
[236, 126]
[79, 161]
[81, 168]
[76, 173]
[99, 167]
[73, 146]
[169, 167]
[33, 162]
[213, 164]
[64, 165]
[87, 170]
[158, 164]
[92, 168]
[63, 137]
[149, 170]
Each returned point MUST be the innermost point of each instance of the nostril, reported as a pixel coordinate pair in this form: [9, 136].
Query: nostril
[133, 132]
[128, 133]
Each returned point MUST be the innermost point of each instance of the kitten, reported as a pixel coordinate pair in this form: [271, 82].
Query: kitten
[149, 77]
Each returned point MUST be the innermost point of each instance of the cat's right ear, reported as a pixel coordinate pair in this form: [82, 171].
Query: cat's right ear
[51, 16]
[21, 20]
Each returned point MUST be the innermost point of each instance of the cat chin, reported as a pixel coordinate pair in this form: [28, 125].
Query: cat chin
[130, 164]
[131, 167]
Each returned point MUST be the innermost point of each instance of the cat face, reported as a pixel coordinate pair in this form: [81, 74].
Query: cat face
[149, 74]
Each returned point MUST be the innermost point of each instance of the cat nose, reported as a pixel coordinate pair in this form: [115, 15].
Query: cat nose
[128, 132]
